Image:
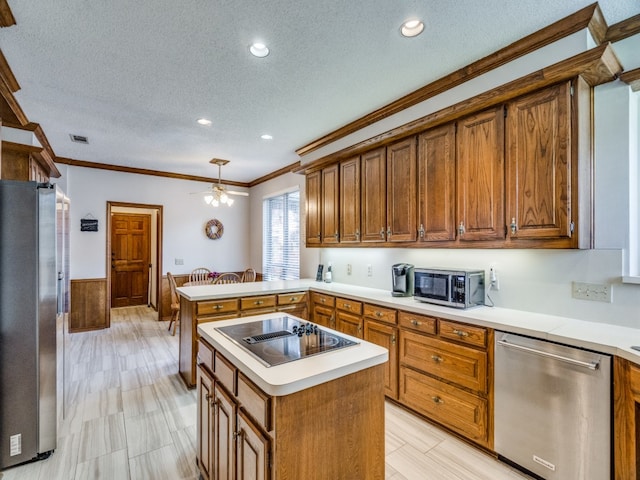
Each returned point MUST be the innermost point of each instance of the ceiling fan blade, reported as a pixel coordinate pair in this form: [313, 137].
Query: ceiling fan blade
[234, 192]
[203, 192]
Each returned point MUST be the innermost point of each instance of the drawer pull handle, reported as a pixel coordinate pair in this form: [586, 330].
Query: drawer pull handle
[393, 339]
[218, 307]
[207, 397]
[293, 299]
[437, 400]
[322, 300]
[378, 313]
[347, 306]
[415, 323]
[461, 333]
[258, 302]
[436, 358]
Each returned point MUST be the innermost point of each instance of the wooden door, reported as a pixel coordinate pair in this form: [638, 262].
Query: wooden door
[252, 451]
[330, 205]
[314, 208]
[480, 167]
[385, 336]
[437, 184]
[204, 436]
[373, 190]
[401, 191]
[349, 323]
[538, 164]
[224, 429]
[130, 254]
[350, 201]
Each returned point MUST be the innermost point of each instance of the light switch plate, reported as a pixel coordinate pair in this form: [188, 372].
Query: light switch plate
[597, 292]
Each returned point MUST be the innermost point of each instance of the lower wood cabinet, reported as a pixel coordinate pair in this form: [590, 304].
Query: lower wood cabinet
[323, 310]
[626, 419]
[348, 317]
[380, 328]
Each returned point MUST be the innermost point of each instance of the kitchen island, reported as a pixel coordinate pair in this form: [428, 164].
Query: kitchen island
[318, 417]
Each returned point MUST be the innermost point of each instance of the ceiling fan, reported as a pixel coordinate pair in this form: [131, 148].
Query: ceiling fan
[218, 193]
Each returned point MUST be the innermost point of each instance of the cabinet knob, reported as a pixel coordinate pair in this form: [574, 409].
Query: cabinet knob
[382, 233]
[347, 306]
[437, 400]
[336, 235]
[378, 313]
[388, 232]
[436, 358]
[460, 333]
[357, 234]
[415, 322]
[461, 228]
[293, 299]
[258, 302]
[421, 231]
[393, 339]
[514, 226]
[218, 307]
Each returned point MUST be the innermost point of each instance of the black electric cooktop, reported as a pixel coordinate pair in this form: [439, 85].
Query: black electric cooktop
[283, 339]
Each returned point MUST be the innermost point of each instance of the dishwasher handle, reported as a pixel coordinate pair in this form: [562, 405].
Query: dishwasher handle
[580, 363]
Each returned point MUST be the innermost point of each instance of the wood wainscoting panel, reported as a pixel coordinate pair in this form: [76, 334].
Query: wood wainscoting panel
[88, 305]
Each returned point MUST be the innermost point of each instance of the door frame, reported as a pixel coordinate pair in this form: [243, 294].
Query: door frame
[158, 260]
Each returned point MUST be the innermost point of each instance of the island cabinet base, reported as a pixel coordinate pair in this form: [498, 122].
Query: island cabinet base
[334, 430]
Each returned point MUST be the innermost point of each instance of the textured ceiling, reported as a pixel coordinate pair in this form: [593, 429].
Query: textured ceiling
[134, 76]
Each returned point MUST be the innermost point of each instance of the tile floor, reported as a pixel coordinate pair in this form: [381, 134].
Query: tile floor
[129, 416]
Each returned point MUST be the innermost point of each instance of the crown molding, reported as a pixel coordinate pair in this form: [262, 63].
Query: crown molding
[632, 78]
[288, 169]
[623, 29]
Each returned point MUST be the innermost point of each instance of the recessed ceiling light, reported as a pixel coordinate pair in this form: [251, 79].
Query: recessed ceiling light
[204, 121]
[266, 136]
[259, 50]
[412, 28]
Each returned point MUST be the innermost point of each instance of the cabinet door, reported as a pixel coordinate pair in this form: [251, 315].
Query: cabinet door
[401, 191]
[204, 438]
[330, 205]
[373, 196]
[350, 201]
[323, 316]
[314, 207]
[349, 323]
[252, 450]
[437, 184]
[385, 336]
[224, 428]
[480, 167]
[538, 164]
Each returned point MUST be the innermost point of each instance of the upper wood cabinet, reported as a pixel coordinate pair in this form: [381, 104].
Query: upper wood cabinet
[373, 195]
[480, 176]
[401, 191]
[314, 208]
[350, 200]
[330, 205]
[538, 164]
[437, 184]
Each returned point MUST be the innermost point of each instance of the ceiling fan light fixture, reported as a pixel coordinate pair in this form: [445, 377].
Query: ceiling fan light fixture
[230, 201]
[412, 28]
[208, 199]
[259, 50]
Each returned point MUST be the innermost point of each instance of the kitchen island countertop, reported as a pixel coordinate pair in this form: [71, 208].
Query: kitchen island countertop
[603, 337]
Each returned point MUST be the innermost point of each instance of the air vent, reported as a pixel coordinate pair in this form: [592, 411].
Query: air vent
[79, 139]
[265, 337]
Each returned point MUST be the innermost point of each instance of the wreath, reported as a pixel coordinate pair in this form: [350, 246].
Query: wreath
[214, 229]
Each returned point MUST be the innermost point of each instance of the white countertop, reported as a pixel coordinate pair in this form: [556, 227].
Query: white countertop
[297, 375]
[601, 337]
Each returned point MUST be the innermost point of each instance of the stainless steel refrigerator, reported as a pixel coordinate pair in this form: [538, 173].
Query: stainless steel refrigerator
[27, 321]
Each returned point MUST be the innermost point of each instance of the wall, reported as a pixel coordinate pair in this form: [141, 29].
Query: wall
[185, 216]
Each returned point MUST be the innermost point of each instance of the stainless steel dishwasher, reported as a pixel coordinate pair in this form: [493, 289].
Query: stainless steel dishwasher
[552, 408]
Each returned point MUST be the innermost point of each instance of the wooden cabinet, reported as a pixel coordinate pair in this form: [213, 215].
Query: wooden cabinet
[323, 309]
[373, 196]
[437, 184]
[349, 317]
[480, 176]
[626, 419]
[330, 205]
[538, 164]
[205, 418]
[23, 162]
[294, 304]
[401, 191]
[380, 328]
[350, 200]
[445, 374]
[313, 194]
[257, 305]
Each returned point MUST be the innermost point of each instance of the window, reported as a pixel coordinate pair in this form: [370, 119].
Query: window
[281, 237]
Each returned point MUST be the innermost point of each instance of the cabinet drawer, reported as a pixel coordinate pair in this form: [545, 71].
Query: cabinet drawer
[216, 318]
[421, 323]
[323, 299]
[292, 298]
[387, 315]
[263, 301]
[464, 333]
[205, 354]
[257, 311]
[350, 306]
[217, 306]
[462, 365]
[225, 372]
[254, 401]
[459, 410]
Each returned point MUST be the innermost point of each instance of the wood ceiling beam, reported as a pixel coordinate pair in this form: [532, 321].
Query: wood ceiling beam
[6, 16]
[589, 17]
[623, 29]
[632, 78]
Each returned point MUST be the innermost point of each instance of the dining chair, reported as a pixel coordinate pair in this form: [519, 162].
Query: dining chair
[227, 277]
[249, 275]
[199, 274]
[175, 303]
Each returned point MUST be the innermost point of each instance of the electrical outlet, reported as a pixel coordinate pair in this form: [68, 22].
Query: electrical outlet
[369, 270]
[179, 261]
[348, 269]
[597, 292]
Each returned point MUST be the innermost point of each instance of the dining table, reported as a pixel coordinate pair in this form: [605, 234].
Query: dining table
[198, 282]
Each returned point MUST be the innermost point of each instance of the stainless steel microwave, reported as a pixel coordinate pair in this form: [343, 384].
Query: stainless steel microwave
[453, 288]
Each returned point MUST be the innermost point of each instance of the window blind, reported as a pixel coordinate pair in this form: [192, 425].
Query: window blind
[281, 237]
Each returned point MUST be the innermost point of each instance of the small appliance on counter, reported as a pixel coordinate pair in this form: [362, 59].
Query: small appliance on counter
[453, 288]
[402, 280]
